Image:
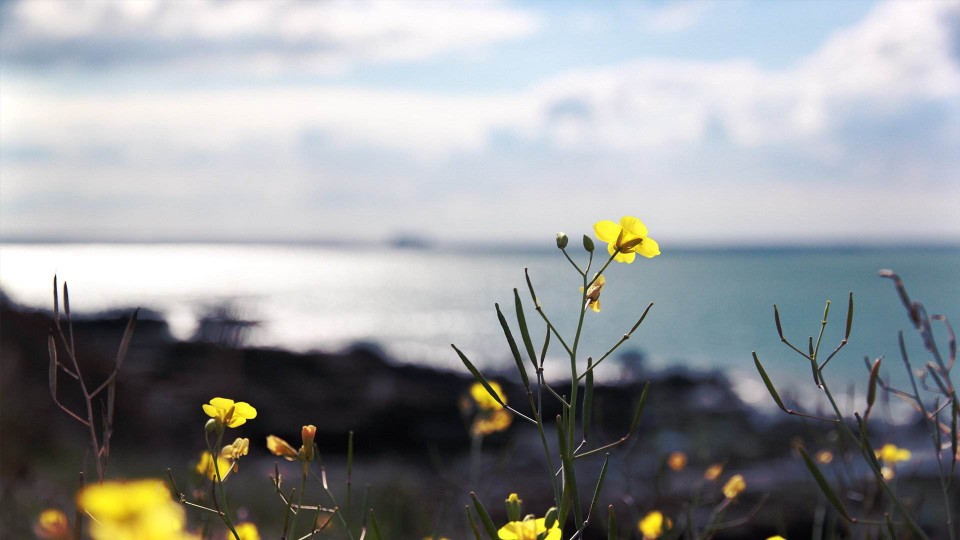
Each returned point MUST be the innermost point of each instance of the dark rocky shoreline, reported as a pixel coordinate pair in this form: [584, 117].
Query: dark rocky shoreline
[400, 413]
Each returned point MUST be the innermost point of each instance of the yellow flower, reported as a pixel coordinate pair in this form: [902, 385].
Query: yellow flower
[529, 529]
[487, 422]
[777, 537]
[734, 486]
[229, 413]
[205, 466]
[677, 461]
[824, 456]
[237, 448]
[246, 530]
[713, 472]
[654, 525]
[280, 447]
[626, 239]
[889, 453]
[593, 293]
[137, 510]
[483, 399]
[52, 525]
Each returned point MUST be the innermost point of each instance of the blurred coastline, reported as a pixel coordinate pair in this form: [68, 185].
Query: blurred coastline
[411, 436]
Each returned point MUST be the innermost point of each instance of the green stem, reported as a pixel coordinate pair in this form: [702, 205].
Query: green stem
[872, 463]
[214, 454]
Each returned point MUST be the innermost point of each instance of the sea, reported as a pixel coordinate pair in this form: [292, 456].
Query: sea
[711, 307]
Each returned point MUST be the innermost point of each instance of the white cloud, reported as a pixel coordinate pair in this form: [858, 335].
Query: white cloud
[674, 17]
[264, 37]
[653, 122]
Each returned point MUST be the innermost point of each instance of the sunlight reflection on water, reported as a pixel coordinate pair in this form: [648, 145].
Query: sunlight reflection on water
[712, 307]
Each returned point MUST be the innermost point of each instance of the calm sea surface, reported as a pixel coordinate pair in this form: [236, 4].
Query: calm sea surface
[711, 308]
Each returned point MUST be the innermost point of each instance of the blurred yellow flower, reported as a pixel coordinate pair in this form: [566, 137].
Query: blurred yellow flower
[889, 453]
[487, 422]
[654, 525]
[246, 530]
[593, 293]
[483, 399]
[205, 466]
[529, 529]
[52, 524]
[626, 239]
[280, 447]
[677, 461]
[713, 472]
[824, 456]
[136, 510]
[777, 537]
[237, 448]
[734, 486]
[229, 413]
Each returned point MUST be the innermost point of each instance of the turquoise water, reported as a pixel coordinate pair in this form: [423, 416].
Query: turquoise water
[711, 307]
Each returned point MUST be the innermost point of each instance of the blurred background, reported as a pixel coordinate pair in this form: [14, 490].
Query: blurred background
[348, 180]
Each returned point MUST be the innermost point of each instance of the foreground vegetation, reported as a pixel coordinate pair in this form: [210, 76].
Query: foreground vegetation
[860, 479]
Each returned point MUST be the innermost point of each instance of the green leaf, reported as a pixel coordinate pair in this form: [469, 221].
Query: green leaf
[824, 485]
[611, 524]
[472, 522]
[513, 347]
[524, 331]
[484, 517]
[769, 385]
[478, 376]
[846, 335]
[596, 492]
[587, 411]
[635, 423]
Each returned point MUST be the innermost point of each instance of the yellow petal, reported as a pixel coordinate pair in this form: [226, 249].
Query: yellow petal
[633, 227]
[625, 257]
[211, 411]
[245, 410]
[222, 403]
[606, 231]
[649, 248]
[280, 447]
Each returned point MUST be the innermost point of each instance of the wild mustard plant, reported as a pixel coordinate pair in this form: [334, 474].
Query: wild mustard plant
[937, 408]
[97, 414]
[624, 241]
[323, 515]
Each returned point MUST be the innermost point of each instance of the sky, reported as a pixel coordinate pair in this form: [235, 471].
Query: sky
[716, 123]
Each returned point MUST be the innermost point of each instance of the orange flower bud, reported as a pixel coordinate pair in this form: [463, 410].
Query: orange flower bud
[308, 433]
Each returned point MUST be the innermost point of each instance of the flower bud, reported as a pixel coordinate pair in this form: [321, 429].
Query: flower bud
[513, 507]
[551, 518]
[562, 240]
[308, 433]
[211, 425]
[588, 244]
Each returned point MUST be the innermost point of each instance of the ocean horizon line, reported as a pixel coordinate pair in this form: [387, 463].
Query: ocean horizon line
[417, 243]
